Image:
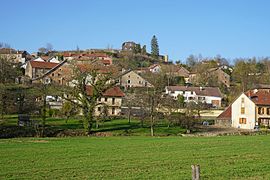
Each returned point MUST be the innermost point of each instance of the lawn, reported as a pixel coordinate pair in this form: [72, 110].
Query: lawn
[227, 157]
[112, 127]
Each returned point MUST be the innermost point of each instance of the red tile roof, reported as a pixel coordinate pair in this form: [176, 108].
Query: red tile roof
[259, 96]
[45, 65]
[112, 92]
[226, 114]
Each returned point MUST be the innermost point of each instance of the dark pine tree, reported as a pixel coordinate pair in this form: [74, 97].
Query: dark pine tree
[154, 47]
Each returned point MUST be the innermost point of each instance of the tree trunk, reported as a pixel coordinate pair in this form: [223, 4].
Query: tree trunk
[129, 112]
[152, 126]
[43, 116]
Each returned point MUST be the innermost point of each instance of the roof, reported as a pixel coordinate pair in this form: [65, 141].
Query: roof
[205, 91]
[111, 92]
[226, 114]
[259, 96]
[45, 65]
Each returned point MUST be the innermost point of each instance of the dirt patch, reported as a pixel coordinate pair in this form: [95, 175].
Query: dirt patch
[214, 130]
[39, 141]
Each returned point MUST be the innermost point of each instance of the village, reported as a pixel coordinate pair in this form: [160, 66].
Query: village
[135, 89]
[140, 85]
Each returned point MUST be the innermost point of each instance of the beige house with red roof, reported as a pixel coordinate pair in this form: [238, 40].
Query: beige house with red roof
[249, 110]
[112, 99]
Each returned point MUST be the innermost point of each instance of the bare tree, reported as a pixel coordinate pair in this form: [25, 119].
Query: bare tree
[79, 94]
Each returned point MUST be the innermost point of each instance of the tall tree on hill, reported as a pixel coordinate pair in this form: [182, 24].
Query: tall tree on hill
[154, 47]
[144, 52]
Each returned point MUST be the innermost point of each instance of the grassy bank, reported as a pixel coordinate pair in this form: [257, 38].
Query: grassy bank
[228, 157]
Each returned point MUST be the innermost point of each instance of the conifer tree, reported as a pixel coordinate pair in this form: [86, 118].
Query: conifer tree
[154, 47]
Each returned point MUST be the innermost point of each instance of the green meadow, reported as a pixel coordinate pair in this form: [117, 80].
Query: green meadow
[135, 157]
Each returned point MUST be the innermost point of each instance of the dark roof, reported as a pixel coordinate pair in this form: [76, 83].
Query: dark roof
[112, 92]
[45, 65]
[202, 91]
[226, 114]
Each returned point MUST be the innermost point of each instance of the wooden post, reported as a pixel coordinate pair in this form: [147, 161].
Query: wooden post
[195, 172]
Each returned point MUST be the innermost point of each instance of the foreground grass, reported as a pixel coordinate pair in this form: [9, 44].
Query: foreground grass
[228, 157]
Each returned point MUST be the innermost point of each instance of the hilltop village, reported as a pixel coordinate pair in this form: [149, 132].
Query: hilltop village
[133, 83]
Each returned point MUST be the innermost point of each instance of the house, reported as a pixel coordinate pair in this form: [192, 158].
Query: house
[36, 69]
[15, 55]
[222, 77]
[155, 68]
[132, 79]
[49, 72]
[176, 71]
[251, 109]
[112, 98]
[128, 46]
[209, 95]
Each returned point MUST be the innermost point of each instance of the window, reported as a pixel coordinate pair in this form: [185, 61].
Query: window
[128, 81]
[113, 110]
[52, 74]
[106, 99]
[99, 99]
[191, 92]
[242, 121]
[268, 111]
[242, 110]
[261, 110]
[243, 100]
[99, 108]
[113, 100]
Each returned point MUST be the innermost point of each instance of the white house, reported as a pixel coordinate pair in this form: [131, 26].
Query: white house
[251, 109]
[243, 112]
[208, 95]
[155, 68]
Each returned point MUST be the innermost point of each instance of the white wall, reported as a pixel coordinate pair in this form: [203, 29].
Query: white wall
[250, 112]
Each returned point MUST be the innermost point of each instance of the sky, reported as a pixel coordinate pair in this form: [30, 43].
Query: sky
[230, 28]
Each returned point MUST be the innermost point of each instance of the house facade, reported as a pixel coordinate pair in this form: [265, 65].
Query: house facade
[251, 109]
[111, 99]
[222, 77]
[132, 79]
[14, 55]
[209, 95]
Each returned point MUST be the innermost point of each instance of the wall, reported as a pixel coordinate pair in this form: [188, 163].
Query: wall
[249, 114]
[135, 80]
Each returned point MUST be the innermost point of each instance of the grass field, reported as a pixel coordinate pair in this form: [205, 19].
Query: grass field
[227, 157]
[114, 127]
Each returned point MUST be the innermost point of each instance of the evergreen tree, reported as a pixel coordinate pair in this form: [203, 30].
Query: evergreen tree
[144, 50]
[154, 47]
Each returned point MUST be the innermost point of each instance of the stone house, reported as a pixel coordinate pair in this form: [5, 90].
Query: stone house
[222, 77]
[132, 79]
[14, 55]
[111, 98]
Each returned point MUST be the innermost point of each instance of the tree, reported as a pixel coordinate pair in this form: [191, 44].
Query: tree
[191, 61]
[151, 99]
[137, 49]
[154, 47]
[86, 88]
[68, 109]
[144, 52]
[245, 73]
